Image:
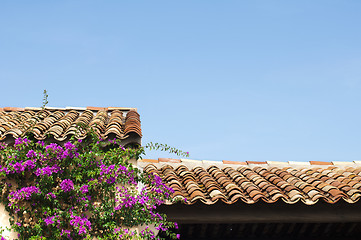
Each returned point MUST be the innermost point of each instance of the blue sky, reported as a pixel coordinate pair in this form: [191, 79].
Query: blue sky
[224, 80]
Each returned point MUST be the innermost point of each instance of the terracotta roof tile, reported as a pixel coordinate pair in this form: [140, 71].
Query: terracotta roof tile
[234, 162]
[150, 160]
[255, 162]
[96, 108]
[9, 109]
[62, 123]
[170, 160]
[320, 163]
[230, 183]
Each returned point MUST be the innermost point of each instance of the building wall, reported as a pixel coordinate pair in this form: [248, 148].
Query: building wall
[4, 222]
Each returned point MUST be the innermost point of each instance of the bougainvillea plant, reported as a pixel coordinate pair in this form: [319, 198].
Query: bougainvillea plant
[80, 190]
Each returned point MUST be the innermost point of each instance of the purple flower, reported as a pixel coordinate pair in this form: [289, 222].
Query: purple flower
[24, 193]
[47, 170]
[69, 145]
[178, 236]
[31, 154]
[67, 232]
[3, 145]
[67, 185]
[79, 140]
[84, 189]
[49, 220]
[30, 164]
[82, 223]
[51, 194]
[20, 141]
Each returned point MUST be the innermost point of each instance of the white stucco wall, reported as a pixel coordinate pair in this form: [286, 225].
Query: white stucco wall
[4, 222]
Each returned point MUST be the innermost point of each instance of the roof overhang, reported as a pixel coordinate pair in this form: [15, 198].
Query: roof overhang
[262, 212]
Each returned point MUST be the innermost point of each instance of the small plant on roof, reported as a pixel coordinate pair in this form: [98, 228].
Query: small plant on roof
[165, 147]
[45, 99]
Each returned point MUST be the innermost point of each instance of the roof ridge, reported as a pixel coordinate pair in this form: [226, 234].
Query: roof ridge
[9, 109]
[194, 163]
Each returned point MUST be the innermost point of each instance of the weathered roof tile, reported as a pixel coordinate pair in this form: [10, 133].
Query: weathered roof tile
[255, 182]
[62, 123]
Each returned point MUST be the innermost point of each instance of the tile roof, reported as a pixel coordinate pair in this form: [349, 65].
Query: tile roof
[59, 124]
[249, 182]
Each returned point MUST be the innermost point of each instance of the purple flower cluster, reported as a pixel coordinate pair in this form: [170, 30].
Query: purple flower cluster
[84, 189]
[70, 150]
[47, 170]
[21, 143]
[61, 153]
[160, 188]
[128, 199]
[147, 232]
[111, 173]
[31, 154]
[114, 141]
[54, 148]
[125, 198]
[51, 220]
[83, 224]
[51, 194]
[67, 185]
[24, 193]
[3, 145]
[17, 167]
[124, 233]
[161, 227]
[65, 232]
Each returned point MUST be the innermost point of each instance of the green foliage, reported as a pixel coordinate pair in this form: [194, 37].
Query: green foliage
[165, 147]
[45, 99]
[83, 189]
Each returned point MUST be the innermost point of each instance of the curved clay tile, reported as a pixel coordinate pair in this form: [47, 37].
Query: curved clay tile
[329, 186]
[221, 179]
[115, 124]
[41, 128]
[132, 123]
[252, 185]
[216, 195]
[209, 184]
[60, 127]
[19, 124]
[76, 127]
[191, 186]
[245, 185]
[173, 180]
[99, 122]
[291, 193]
[312, 193]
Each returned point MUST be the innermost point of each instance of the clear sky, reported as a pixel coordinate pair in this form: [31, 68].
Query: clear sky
[224, 80]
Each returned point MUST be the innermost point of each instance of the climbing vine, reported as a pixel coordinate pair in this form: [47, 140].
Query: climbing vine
[81, 190]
